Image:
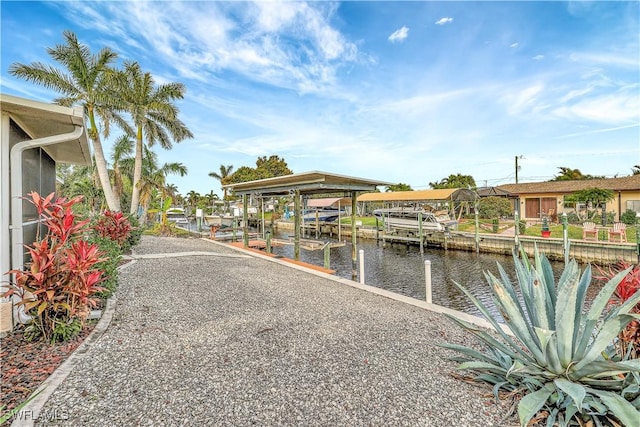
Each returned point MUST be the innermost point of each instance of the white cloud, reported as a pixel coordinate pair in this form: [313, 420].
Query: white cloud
[514, 45]
[399, 35]
[443, 21]
[525, 100]
[290, 45]
[538, 58]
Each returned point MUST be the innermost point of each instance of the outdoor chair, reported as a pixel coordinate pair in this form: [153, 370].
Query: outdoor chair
[619, 231]
[589, 231]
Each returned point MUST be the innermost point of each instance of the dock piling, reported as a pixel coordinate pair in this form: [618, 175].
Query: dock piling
[427, 281]
[420, 233]
[327, 255]
[361, 253]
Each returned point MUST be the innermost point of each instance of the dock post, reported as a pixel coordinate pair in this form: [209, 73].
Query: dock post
[377, 230]
[516, 229]
[476, 207]
[565, 237]
[327, 255]
[298, 219]
[268, 237]
[234, 225]
[420, 235]
[427, 281]
[245, 220]
[354, 232]
[361, 252]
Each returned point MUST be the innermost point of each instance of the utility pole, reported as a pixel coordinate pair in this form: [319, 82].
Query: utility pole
[518, 167]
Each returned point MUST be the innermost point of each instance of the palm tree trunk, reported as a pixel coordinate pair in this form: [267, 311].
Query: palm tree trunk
[137, 174]
[101, 164]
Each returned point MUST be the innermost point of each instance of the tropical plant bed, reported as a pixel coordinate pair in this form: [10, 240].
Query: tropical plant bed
[25, 365]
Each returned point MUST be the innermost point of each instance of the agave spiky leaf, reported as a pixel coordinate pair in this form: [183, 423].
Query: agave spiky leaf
[562, 358]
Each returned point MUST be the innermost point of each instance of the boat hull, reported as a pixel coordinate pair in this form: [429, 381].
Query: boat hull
[399, 219]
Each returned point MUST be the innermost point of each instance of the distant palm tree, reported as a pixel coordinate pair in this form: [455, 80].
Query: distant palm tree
[636, 170]
[171, 190]
[122, 148]
[224, 176]
[87, 81]
[154, 179]
[154, 115]
[192, 198]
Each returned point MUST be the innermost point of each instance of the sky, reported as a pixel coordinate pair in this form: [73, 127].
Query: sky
[400, 92]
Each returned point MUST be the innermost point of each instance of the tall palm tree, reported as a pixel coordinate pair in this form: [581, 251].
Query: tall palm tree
[224, 176]
[86, 81]
[154, 115]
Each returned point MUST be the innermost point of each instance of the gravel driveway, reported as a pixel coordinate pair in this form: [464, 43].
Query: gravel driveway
[229, 339]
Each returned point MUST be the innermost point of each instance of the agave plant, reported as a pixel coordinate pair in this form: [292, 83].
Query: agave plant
[560, 357]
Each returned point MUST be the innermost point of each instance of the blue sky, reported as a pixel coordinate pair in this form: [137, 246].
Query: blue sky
[396, 91]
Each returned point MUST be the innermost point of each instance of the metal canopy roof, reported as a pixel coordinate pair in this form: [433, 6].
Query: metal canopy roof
[40, 119]
[493, 191]
[328, 202]
[314, 182]
[454, 194]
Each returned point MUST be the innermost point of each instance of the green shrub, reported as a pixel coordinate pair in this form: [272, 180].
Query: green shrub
[134, 234]
[574, 218]
[628, 217]
[522, 226]
[562, 361]
[66, 330]
[494, 207]
[109, 265]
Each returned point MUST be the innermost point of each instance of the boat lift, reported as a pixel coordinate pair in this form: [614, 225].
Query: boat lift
[303, 184]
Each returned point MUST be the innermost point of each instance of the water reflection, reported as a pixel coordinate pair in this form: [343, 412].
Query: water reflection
[400, 268]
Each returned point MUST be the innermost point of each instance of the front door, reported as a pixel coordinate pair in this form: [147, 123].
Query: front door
[548, 206]
[532, 208]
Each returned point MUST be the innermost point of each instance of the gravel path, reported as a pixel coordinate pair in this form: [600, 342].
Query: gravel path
[231, 340]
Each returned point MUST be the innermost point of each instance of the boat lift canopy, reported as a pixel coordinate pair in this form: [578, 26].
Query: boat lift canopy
[444, 194]
[457, 197]
[302, 184]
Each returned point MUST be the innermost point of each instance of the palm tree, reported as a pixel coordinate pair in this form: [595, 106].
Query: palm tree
[223, 177]
[154, 115]
[636, 170]
[192, 198]
[154, 179]
[122, 148]
[86, 82]
[171, 190]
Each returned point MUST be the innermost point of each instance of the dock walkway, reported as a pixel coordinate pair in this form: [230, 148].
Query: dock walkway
[236, 340]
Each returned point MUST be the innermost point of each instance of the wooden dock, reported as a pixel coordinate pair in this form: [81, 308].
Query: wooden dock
[256, 248]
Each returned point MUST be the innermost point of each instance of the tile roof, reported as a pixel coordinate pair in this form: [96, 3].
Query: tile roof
[628, 183]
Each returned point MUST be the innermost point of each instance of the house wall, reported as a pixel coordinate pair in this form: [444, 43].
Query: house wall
[627, 200]
[623, 200]
[38, 174]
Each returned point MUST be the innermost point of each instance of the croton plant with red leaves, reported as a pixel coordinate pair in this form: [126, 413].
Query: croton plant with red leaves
[113, 225]
[629, 338]
[60, 278]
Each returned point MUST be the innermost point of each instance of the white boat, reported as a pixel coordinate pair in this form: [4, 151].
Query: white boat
[407, 219]
[221, 220]
[323, 214]
[177, 216]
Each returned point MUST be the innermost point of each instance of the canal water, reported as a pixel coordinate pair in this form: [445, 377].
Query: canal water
[400, 268]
